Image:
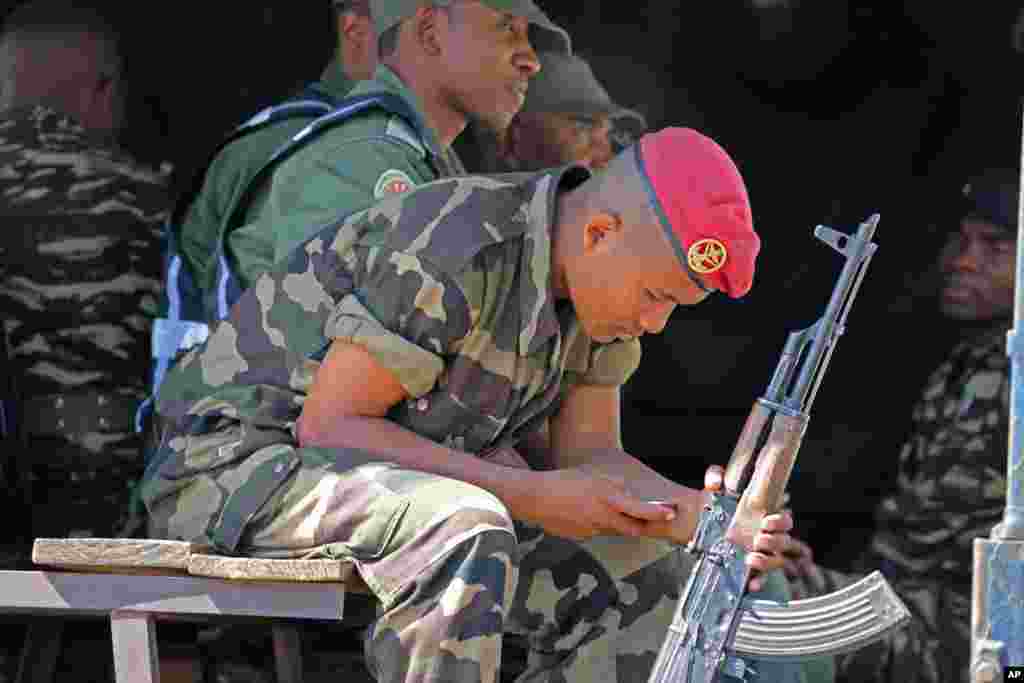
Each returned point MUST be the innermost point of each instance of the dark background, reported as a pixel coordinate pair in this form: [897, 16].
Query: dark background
[832, 110]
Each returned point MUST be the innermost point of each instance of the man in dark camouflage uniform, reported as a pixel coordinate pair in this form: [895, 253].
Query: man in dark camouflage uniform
[952, 469]
[79, 268]
[368, 397]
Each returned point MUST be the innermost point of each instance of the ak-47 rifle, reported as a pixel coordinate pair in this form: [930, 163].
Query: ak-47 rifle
[716, 628]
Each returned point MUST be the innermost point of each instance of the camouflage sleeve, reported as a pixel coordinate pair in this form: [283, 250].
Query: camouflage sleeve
[611, 364]
[405, 313]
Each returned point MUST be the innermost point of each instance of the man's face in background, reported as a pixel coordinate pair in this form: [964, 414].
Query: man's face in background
[543, 140]
[978, 267]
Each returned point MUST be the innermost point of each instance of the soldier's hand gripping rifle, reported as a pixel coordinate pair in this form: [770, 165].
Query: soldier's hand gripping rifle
[716, 629]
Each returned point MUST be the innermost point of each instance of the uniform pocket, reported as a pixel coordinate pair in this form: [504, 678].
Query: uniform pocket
[439, 416]
[192, 454]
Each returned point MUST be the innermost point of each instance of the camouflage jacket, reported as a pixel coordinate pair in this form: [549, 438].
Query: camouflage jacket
[447, 286]
[80, 260]
[79, 257]
[951, 490]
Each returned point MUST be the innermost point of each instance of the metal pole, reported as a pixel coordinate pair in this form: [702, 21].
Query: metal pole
[1012, 527]
[997, 603]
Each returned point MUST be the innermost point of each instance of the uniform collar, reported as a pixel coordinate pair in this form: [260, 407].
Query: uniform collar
[334, 81]
[540, 321]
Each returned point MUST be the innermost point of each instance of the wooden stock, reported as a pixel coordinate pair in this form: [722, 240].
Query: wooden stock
[764, 494]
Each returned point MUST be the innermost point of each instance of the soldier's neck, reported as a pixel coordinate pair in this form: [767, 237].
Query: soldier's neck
[446, 121]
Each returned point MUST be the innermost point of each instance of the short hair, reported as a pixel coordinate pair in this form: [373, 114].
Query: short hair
[54, 18]
[387, 42]
[46, 23]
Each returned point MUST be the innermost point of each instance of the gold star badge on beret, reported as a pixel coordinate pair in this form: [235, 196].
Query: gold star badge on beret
[707, 256]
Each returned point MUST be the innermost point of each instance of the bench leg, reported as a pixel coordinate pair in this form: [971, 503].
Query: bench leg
[287, 653]
[135, 655]
[38, 661]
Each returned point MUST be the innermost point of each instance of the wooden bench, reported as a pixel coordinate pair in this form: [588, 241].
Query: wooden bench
[136, 583]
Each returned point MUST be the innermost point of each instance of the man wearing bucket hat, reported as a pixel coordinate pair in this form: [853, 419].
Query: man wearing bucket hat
[360, 399]
[449, 61]
[568, 117]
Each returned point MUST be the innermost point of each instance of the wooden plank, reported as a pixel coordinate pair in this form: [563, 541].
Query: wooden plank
[70, 594]
[135, 655]
[261, 569]
[111, 553]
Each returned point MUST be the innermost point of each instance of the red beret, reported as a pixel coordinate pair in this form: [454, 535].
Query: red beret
[699, 195]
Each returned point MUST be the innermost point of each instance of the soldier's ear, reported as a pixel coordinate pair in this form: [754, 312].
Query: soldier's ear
[601, 232]
[429, 29]
[353, 28]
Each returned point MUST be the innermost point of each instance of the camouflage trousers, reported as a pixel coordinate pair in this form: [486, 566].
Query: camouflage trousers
[455, 574]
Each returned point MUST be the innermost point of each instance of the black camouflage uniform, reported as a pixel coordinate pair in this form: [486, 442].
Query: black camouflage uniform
[79, 284]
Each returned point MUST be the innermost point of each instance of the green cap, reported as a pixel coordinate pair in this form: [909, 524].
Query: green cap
[566, 85]
[544, 35]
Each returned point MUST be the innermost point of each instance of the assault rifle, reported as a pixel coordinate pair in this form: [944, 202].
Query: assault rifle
[716, 628]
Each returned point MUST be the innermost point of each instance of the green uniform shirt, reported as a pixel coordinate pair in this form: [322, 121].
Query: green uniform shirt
[447, 286]
[345, 169]
[228, 176]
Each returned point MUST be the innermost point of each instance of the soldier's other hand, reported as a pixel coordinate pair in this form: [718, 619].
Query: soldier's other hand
[798, 558]
[770, 544]
[714, 479]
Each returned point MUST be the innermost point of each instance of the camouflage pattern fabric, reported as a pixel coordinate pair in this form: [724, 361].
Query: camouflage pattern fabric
[448, 287]
[951, 490]
[79, 286]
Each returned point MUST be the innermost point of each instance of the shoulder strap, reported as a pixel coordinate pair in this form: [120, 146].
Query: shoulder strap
[309, 103]
[228, 288]
[346, 109]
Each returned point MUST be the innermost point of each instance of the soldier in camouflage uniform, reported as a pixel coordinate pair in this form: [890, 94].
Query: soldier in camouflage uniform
[79, 268]
[230, 172]
[569, 117]
[366, 400]
[952, 470]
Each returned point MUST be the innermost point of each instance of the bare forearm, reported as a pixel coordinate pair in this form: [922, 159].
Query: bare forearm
[640, 480]
[394, 443]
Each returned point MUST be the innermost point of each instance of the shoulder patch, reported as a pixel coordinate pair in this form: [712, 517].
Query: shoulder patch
[392, 182]
[398, 128]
